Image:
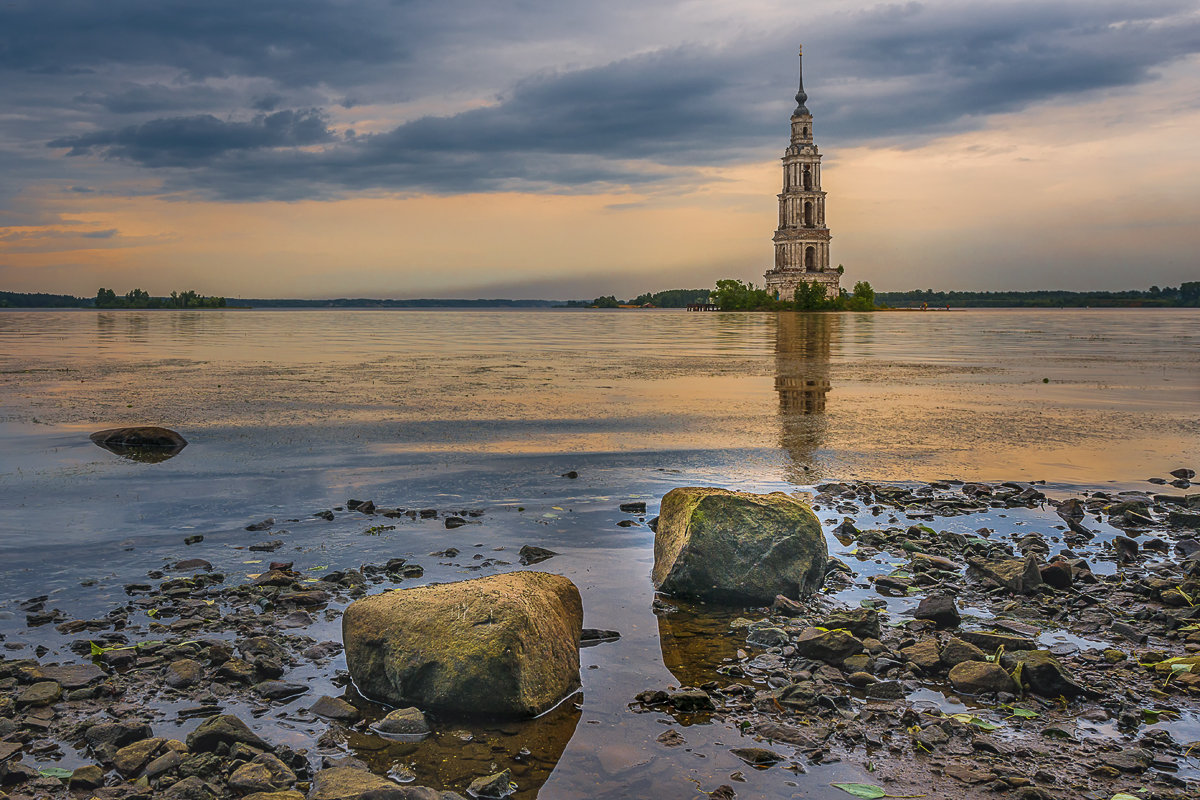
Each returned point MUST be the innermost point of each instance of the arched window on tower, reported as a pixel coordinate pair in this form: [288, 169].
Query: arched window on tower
[808, 215]
[807, 178]
[810, 259]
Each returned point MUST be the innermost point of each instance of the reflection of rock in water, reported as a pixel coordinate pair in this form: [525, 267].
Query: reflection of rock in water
[147, 444]
[802, 345]
[697, 639]
[461, 750]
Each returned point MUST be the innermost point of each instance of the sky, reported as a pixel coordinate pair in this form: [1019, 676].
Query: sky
[564, 149]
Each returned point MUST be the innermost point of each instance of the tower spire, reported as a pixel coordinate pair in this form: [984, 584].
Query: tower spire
[801, 96]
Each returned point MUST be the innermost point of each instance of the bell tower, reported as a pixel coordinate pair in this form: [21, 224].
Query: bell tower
[802, 238]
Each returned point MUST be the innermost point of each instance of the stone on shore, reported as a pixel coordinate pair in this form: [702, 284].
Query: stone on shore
[939, 609]
[335, 708]
[736, 546]
[862, 622]
[980, 677]
[265, 773]
[1044, 674]
[355, 783]
[1019, 576]
[223, 729]
[43, 693]
[832, 647]
[506, 644]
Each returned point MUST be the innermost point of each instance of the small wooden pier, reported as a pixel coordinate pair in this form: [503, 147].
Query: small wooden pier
[702, 307]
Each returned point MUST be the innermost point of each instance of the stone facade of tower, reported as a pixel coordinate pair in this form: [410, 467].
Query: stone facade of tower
[802, 239]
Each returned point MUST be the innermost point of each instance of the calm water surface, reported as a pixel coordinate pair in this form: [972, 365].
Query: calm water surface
[288, 412]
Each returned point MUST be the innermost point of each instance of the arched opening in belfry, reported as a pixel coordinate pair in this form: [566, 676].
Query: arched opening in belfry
[804, 132]
[808, 215]
[807, 178]
[810, 259]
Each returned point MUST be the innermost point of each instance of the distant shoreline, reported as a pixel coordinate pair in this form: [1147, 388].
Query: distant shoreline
[1187, 295]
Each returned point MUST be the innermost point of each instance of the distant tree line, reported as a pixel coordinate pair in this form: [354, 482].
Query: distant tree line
[732, 295]
[668, 298]
[367, 302]
[1185, 295]
[42, 300]
[138, 298]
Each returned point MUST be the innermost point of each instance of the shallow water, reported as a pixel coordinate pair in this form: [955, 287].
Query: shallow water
[288, 412]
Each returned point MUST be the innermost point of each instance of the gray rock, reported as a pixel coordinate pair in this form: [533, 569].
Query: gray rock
[492, 786]
[767, 637]
[862, 622]
[940, 609]
[691, 700]
[192, 788]
[1019, 576]
[335, 708]
[832, 647]
[1044, 674]
[957, 651]
[183, 673]
[980, 677]
[223, 729]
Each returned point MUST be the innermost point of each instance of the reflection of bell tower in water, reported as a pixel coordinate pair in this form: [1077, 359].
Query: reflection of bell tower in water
[802, 346]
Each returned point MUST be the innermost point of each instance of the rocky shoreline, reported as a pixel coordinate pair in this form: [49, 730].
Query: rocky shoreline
[928, 658]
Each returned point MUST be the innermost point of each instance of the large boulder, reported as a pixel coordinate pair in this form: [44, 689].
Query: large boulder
[737, 546]
[505, 644]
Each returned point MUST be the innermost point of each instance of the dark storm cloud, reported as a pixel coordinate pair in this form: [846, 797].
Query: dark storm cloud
[198, 140]
[903, 73]
[156, 98]
[295, 42]
[915, 68]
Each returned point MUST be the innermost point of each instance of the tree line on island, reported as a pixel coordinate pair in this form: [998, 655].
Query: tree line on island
[137, 298]
[734, 295]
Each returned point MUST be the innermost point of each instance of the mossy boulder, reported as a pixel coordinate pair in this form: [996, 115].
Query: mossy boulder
[505, 644]
[736, 546]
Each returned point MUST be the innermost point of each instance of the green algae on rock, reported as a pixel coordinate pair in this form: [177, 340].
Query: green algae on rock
[504, 644]
[737, 546]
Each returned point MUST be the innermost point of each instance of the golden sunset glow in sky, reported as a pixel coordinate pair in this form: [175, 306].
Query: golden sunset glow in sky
[588, 151]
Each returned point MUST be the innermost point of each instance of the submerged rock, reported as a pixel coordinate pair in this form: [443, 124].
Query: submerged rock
[737, 546]
[492, 786]
[403, 722]
[506, 644]
[149, 443]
